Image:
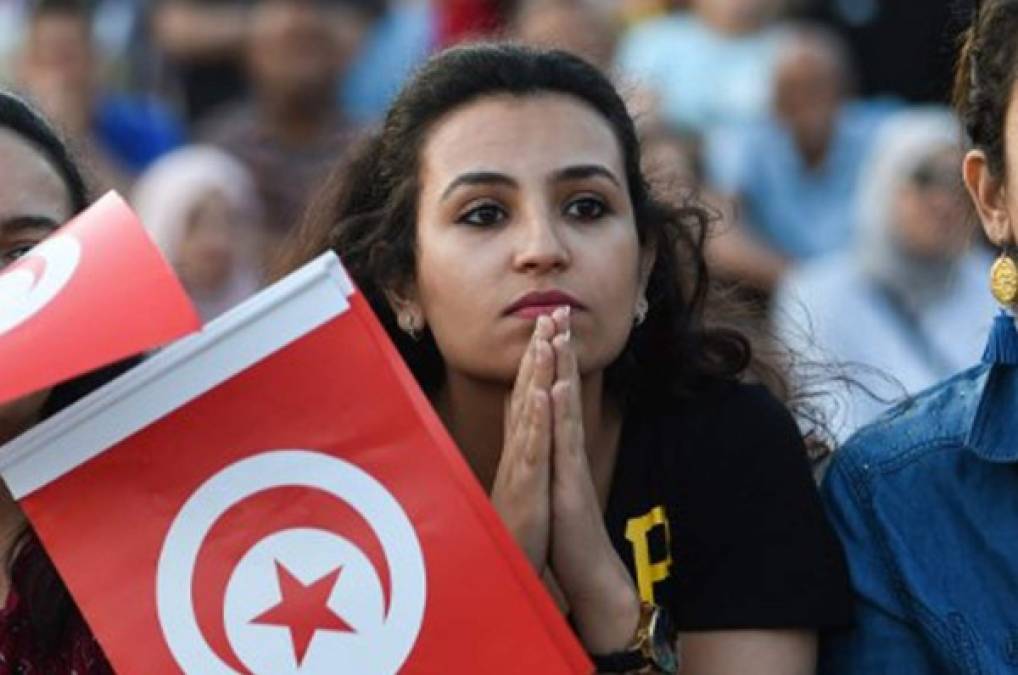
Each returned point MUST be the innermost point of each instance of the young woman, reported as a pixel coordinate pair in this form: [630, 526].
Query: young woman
[552, 309]
[926, 499]
[41, 630]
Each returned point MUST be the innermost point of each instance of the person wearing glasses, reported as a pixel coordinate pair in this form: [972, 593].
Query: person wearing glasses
[907, 302]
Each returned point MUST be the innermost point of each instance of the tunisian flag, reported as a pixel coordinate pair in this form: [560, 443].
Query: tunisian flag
[94, 292]
[275, 495]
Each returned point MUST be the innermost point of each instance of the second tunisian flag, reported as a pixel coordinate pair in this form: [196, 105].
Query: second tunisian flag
[275, 495]
[94, 292]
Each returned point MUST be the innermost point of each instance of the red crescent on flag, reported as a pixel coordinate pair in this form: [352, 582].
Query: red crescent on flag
[255, 518]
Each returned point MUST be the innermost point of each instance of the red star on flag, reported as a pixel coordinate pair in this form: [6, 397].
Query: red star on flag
[304, 609]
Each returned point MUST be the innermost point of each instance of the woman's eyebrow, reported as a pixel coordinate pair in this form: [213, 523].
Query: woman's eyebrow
[583, 171]
[16, 224]
[479, 178]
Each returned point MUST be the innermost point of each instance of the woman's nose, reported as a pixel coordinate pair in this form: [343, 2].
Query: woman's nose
[540, 246]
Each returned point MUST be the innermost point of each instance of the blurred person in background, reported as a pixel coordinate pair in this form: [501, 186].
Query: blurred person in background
[674, 162]
[795, 172]
[59, 66]
[711, 65]
[464, 20]
[904, 48]
[400, 39]
[291, 129]
[587, 28]
[909, 299]
[202, 43]
[201, 207]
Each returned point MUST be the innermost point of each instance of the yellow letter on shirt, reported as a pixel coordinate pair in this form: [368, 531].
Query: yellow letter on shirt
[637, 532]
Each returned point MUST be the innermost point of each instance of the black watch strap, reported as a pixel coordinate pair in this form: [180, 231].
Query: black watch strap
[619, 662]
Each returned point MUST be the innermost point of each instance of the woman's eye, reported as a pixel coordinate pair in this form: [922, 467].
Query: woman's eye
[483, 215]
[9, 255]
[586, 208]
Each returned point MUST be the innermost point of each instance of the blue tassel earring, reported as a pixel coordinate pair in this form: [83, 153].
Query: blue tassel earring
[1003, 345]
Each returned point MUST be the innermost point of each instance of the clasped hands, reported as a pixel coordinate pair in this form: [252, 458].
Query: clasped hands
[545, 493]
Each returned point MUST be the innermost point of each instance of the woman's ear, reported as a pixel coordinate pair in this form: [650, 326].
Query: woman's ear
[989, 196]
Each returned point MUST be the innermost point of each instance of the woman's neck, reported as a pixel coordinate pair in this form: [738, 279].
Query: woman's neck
[474, 413]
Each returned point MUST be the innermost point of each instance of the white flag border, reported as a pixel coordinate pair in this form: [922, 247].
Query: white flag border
[176, 375]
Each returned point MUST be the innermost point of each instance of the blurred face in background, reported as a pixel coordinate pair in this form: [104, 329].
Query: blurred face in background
[57, 67]
[574, 26]
[33, 202]
[298, 49]
[931, 212]
[736, 17]
[671, 161]
[206, 254]
[809, 87]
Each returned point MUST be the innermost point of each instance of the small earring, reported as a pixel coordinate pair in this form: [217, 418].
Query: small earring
[408, 324]
[642, 307]
[1004, 278]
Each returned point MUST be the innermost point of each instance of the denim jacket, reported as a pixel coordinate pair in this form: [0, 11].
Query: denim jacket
[926, 504]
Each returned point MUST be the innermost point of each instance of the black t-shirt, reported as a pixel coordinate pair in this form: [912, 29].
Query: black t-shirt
[714, 510]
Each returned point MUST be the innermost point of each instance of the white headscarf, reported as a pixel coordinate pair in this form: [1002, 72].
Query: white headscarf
[165, 197]
[902, 144]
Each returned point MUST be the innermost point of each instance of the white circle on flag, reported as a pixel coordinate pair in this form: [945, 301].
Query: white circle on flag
[382, 641]
[357, 597]
[22, 294]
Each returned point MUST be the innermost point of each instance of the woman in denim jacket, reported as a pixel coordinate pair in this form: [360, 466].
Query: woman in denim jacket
[926, 499]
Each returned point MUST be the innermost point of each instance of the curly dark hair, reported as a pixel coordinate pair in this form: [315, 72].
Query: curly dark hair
[366, 212]
[985, 74]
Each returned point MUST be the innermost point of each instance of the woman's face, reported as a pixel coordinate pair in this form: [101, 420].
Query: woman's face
[932, 216]
[33, 202]
[206, 250]
[524, 207]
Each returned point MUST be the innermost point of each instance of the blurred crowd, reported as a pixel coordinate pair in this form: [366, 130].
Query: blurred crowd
[815, 129]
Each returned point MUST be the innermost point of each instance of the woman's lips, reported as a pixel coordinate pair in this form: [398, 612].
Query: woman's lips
[538, 303]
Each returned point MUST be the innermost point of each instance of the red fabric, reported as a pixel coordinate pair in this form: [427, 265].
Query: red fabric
[20, 653]
[460, 20]
[360, 476]
[98, 284]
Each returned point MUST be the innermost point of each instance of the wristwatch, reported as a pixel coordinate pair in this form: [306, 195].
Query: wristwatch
[652, 650]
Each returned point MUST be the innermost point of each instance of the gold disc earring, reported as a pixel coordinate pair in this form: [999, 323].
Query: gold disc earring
[1004, 279]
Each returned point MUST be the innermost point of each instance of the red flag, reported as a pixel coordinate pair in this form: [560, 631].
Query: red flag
[275, 495]
[94, 292]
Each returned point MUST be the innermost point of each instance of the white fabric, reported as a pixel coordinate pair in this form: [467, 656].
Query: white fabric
[826, 313]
